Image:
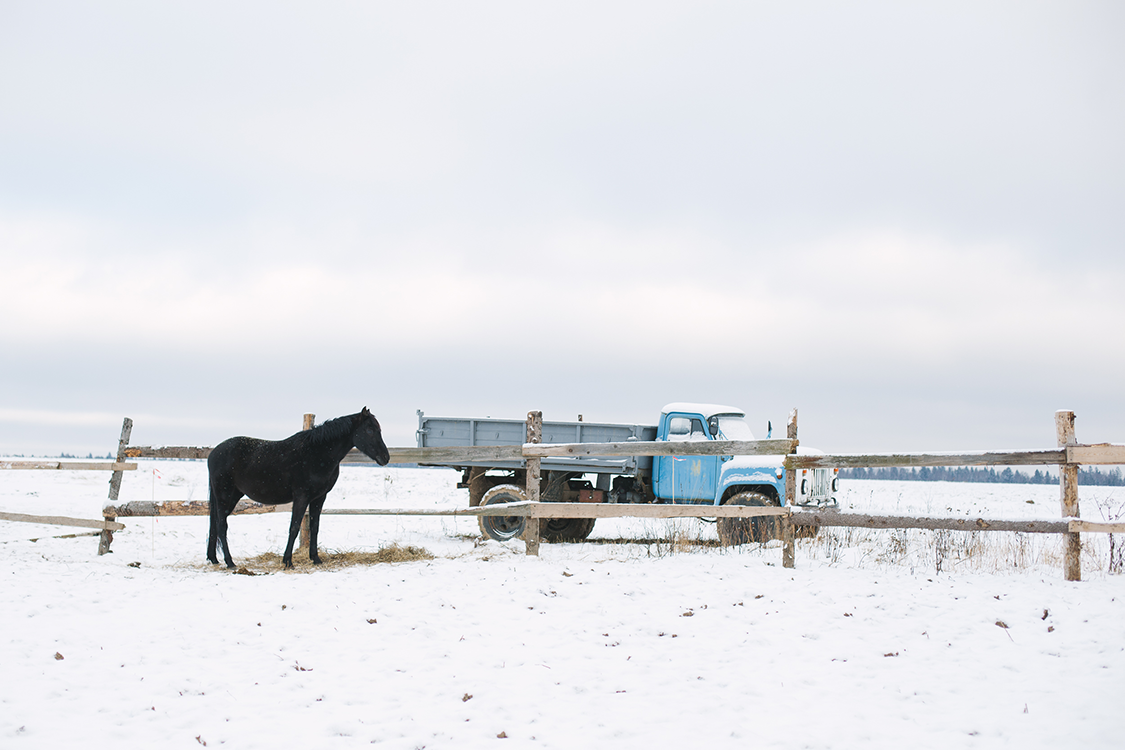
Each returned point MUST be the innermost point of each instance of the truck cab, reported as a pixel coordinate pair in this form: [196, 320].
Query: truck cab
[714, 479]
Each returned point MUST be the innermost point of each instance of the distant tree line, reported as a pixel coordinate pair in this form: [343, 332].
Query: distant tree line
[985, 474]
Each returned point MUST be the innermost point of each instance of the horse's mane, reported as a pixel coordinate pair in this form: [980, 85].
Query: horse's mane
[333, 429]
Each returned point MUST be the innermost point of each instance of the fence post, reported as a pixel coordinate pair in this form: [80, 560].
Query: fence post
[531, 528]
[306, 424]
[1068, 494]
[788, 547]
[106, 538]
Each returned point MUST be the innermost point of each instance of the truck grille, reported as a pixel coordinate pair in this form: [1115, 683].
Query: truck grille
[820, 486]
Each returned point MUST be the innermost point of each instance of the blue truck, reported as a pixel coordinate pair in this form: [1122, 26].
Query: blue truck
[703, 480]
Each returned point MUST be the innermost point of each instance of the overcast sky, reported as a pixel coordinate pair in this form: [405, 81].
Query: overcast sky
[905, 219]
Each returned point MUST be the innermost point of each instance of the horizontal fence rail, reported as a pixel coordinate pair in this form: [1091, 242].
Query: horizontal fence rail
[1075, 525]
[85, 523]
[167, 451]
[869, 521]
[661, 448]
[146, 508]
[528, 450]
[1096, 454]
[1103, 454]
[68, 465]
[524, 508]
[879, 460]
[628, 510]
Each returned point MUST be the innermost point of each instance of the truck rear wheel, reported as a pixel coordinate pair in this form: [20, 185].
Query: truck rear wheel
[502, 528]
[734, 531]
[479, 482]
[565, 529]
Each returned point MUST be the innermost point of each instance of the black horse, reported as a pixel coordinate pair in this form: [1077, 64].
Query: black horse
[300, 469]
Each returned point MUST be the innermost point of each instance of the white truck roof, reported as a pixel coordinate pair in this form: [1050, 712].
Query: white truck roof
[707, 410]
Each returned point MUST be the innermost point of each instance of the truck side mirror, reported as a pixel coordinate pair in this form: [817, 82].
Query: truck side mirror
[713, 426]
[769, 429]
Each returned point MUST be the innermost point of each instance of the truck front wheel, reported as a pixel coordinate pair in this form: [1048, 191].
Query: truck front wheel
[502, 528]
[734, 531]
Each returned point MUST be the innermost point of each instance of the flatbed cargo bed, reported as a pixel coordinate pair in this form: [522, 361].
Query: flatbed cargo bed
[460, 432]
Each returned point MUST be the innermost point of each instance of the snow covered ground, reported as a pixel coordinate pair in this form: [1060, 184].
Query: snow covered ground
[649, 644]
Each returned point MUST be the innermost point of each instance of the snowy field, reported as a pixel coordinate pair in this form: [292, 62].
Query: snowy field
[664, 641]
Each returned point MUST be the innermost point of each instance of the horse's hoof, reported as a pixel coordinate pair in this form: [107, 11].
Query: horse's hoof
[315, 560]
[231, 566]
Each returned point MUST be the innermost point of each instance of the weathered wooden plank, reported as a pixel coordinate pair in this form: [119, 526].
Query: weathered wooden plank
[867, 521]
[38, 465]
[574, 510]
[97, 466]
[641, 510]
[1108, 453]
[186, 508]
[1096, 526]
[856, 460]
[662, 448]
[85, 523]
[407, 455]
[69, 465]
[450, 455]
[453, 455]
[655, 510]
[398, 455]
[167, 451]
[1101, 453]
[484, 510]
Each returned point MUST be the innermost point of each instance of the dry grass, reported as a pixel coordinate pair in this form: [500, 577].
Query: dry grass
[270, 562]
[948, 551]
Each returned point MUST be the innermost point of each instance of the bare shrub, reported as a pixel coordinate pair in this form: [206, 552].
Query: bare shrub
[941, 548]
[1110, 513]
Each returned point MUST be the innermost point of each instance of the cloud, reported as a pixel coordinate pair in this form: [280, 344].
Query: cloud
[889, 298]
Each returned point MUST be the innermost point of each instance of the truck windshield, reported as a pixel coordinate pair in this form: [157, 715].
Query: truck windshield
[734, 428]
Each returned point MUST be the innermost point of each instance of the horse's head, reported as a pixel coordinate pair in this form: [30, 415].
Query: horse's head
[369, 438]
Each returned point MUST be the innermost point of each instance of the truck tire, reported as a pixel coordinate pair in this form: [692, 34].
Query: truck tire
[502, 528]
[479, 484]
[735, 531]
[565, 529]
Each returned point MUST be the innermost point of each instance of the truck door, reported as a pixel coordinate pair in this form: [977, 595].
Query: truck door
[687, 478]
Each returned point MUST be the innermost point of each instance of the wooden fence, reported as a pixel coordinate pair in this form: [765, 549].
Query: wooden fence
[106, 525]
[1068, 456]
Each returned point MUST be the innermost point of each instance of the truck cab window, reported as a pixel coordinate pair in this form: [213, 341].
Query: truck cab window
[679, 428]
[734, 428]
[686, 428]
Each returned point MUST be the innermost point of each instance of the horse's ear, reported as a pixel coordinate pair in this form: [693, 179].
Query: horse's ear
[365, 412]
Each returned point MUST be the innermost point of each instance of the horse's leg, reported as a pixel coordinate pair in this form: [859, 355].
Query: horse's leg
[220, 505]
[213, 529]
[314, 527]
[300, 504]
[225, 509]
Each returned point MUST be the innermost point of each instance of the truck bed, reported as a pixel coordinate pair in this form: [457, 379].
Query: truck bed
[445, 432]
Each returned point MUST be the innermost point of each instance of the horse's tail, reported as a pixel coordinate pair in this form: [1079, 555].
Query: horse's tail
[214, 538]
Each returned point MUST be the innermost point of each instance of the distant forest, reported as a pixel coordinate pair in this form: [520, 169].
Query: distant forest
[1112, 478]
